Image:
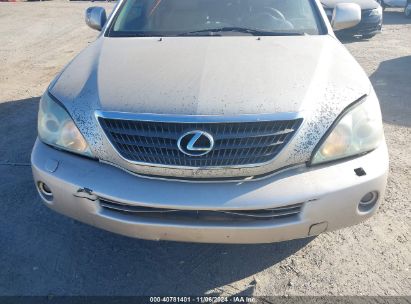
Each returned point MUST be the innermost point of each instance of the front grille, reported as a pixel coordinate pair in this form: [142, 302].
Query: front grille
[202, 215]
[367, 13]
[235, 143]
[368, 17]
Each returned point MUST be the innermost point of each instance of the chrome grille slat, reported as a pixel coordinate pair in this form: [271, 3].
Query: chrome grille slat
[140, 143]
[172, 135]
[240, 152]
[236, 143]
[246, 149]
[248, 146]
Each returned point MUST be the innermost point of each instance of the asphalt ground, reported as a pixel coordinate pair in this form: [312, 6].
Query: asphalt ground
[44, 253]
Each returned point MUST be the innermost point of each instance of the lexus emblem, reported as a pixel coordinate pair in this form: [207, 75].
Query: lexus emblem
[196, 143]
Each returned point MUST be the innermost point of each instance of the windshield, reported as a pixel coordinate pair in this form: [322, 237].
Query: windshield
[215, 18]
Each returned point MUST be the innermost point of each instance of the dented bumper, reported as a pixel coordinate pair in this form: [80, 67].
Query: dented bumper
[329, 196]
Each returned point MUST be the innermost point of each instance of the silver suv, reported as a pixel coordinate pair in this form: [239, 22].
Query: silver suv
[224, 121]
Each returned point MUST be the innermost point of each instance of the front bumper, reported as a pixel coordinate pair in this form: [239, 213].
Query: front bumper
[330, 194]
[368, 26]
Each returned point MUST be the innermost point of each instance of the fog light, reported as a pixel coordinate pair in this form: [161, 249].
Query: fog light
[45, 191]
[368, 201]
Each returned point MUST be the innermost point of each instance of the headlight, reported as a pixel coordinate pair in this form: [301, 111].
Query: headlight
[376, 11]
[358, 131]
[56, 128]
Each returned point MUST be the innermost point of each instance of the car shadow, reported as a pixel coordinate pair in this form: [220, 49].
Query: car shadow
[395, 17]
[49, 254]
[18, 125]
[391, 82]
[346, 39]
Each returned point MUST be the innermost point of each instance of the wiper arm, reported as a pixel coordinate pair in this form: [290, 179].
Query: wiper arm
[254, 32]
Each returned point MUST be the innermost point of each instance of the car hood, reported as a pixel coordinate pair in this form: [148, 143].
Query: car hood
[312, 76]
[211, 76]
[364, 4]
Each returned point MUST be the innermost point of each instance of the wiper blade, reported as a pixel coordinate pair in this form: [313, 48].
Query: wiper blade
[136, 34]
[130, 34]
[254, 32]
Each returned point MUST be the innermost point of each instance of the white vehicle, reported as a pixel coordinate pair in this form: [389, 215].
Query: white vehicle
[407, 11]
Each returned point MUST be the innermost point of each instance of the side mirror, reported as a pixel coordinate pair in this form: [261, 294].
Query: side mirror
[346, 15]
[96, 17]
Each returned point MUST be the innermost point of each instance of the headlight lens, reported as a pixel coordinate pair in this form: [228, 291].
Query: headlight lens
[376, 11]
[56, 128]
[359, 131]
